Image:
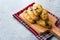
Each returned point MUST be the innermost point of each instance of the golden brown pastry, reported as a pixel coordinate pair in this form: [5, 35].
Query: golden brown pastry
[48, 24]
[44, 15]
[45, 24]
[41, 22]
[27, 17]
[31, 14]
[37, 8]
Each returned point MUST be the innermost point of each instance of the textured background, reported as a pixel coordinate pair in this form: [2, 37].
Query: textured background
[11, 29]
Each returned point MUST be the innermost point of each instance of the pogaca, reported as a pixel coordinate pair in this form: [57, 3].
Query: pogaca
[36, 14]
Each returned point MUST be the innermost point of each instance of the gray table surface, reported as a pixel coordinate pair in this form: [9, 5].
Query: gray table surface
[11, 29]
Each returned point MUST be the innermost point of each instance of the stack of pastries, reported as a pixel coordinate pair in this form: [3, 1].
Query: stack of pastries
[36, 14]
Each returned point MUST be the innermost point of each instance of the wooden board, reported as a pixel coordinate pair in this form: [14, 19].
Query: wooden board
[55, 30]
[36, 27]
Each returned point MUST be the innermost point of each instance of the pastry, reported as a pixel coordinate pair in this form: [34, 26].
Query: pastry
[31, 14]
[27, 17]
[45, 24]
[48, 24]
[44, 15]
[37, 8]
[41, 22]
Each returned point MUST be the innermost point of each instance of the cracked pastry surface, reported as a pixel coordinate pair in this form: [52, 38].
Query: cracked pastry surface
[37, 8]
[27, 17]
[44, 15]
[31, 14]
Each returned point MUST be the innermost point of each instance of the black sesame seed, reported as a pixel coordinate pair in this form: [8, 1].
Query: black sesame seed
[31, 10]
[36, 8]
